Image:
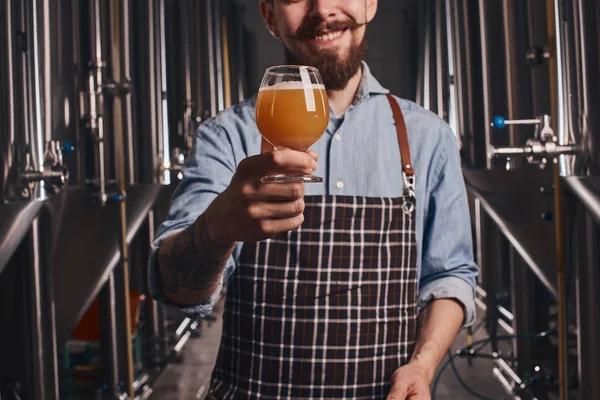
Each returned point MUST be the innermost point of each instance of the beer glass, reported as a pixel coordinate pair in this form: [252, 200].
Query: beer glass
[292, 112]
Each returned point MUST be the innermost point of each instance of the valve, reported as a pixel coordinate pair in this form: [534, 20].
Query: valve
[500, 122]
[117, 198]
[67, 147]
[548, 216]
[540, 149]
[54, 173]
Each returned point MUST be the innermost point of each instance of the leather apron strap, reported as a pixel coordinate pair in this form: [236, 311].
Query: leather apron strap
[407, 166]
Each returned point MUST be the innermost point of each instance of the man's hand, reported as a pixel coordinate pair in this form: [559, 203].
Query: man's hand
[251, 211]
[410, 382]
[439, 323]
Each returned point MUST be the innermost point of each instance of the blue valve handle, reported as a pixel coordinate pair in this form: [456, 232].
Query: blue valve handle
[499, 122]
[548, 216]
[67, 147]
[117, 198]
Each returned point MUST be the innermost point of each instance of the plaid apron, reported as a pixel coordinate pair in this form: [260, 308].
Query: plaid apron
[327, 310]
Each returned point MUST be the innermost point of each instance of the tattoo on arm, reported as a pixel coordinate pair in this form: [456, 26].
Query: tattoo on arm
[191, 260]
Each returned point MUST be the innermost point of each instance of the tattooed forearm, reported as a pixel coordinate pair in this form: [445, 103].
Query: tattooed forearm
[190, 261]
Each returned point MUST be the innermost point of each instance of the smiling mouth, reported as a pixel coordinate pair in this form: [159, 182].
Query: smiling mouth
[329, 36]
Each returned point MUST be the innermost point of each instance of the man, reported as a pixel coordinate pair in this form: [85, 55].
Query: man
[324, 280]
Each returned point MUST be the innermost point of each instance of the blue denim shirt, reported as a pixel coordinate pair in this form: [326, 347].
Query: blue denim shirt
[358, 156]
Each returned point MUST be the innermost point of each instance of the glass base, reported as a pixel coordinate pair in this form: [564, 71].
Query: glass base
[284, 179]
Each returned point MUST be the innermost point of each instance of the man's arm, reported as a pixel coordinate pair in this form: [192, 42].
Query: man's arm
[438, 325]
[191, 262]
[191, 265]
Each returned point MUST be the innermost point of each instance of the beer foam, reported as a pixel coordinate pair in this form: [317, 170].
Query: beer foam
[295, 85]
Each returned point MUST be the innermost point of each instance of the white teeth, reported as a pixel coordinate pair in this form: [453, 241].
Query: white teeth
[329, 36]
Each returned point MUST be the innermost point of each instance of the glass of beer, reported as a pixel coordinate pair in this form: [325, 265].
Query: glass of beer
[292, 112]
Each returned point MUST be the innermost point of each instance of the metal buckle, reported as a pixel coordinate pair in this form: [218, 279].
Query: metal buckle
[410, 200]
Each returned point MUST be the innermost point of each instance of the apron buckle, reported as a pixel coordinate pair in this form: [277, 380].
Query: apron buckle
[410, 200]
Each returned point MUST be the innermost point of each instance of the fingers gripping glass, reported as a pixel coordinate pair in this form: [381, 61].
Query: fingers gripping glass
[292, 112]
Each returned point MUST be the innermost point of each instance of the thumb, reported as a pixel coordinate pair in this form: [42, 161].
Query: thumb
[398, 391]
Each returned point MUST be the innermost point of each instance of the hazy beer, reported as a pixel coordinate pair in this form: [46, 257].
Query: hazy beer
[292, 115]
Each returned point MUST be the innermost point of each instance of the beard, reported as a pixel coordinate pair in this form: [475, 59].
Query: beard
[335, 70]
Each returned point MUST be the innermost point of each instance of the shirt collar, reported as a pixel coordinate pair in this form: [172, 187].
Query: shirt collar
[368, 86]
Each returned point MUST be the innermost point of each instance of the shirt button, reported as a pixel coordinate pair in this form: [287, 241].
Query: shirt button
[337, 137]
[340, 185]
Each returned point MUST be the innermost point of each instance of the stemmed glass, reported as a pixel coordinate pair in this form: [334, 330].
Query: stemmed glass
[292, 112]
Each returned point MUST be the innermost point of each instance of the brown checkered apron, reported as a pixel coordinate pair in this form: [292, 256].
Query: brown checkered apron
[327, 310]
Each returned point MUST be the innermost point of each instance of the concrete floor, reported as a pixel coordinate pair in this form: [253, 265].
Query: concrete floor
[190, 379]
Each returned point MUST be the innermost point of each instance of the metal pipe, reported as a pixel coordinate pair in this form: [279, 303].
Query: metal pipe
[184, 14]
[583, 82]
[507, 328]
[589, 199]
[116, 75]
[453, 118]
[125, 261]
[479, 290]
[560, 283]
[26, 81]
[119, 126]
[37, 339]
[464, 74]
[158, 116]
[79, 105]
[226, 71]
[485, 76]
[478, 231]
[198, 64]
[211, 58]
[518, 246]
[36, 141]
[507, 314]
[10, 86]
[125, 78]
[96, 97]
[218, 55]
[164, 146]
[421, 67]
[47, 72]
[40, 351]
[557, 77]
[427, 58]
[560, 168]
[511, 92]
[152, 304]
[535, 121]
[503, 381]
[439, 59]
[187, 128]
[527, 150]
[152, 91]
[9, 110]
[506, 368]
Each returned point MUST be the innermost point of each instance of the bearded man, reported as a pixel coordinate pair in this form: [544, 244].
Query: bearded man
[350, 288]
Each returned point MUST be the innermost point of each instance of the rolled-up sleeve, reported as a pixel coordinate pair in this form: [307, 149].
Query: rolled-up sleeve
[207, 172]
[447, 267]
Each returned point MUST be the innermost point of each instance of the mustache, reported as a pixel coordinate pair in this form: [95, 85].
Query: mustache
[312, 28]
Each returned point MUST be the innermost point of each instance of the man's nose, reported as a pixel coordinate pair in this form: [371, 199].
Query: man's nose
[325, 9]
